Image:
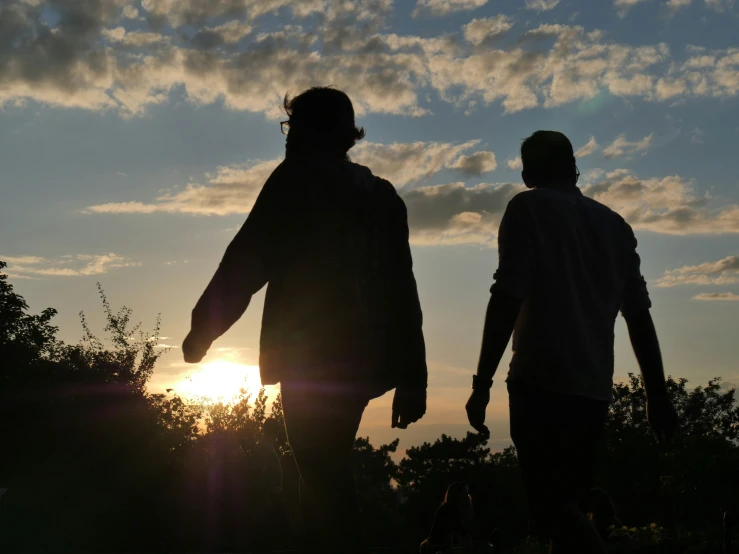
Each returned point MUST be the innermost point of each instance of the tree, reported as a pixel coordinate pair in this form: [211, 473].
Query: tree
[687, 485]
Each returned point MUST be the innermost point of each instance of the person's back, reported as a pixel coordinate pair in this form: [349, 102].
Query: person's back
[584, 256]
[342, 322]
[338, 274]
[567, 265]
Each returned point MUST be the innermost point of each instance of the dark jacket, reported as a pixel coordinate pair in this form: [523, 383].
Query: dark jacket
[331, 241]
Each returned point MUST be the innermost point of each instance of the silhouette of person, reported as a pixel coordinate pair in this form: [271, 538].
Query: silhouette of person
[567, 265]
[342, 322]
[451, 527]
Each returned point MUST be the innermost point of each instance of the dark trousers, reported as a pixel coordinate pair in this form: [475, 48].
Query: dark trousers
[321, 422]
[557, 438]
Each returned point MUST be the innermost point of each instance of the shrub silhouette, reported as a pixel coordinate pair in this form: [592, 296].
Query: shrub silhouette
[95, 462]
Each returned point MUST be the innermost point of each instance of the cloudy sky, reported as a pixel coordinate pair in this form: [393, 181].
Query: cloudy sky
[135, 136]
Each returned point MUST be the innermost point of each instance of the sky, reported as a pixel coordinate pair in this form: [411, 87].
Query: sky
[136, 135]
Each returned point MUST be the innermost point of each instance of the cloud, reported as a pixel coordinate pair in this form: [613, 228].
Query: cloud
[666, 205]
[65, 266]
[130, 12]
[230, 190]
[541, 5]
[234, 189]
[622, 147]
[133, 38]
[514, 163]
[217, 53]
[587, 149]
[720, 296]
[410, 162]
[96, 73]
[720, 6]
[228, 33]
[722, 272]
[623, 6]
[476, 164]
[445, 7]
[676, 5]
[456, 214]
[696, 135]
[487, 30]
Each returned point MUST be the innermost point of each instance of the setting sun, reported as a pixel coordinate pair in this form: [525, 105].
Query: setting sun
[220, 381]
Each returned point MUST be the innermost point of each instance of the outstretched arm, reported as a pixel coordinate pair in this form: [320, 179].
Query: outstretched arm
[244, 269]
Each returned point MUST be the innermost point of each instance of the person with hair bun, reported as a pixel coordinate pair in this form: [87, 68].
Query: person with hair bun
[342, 322]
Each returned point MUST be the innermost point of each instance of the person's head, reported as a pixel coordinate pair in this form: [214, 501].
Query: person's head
[271, 429]
[321, 118]
[548, 161]
[458, 495]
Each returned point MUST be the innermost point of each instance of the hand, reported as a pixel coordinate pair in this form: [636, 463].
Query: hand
[476, 407]
[193, 349]
[409, 405]
[662, 418]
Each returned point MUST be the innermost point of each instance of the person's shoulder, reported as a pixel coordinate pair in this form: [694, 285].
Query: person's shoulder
[606, 212]
[382, 190]
[375, 181]
[522, 199]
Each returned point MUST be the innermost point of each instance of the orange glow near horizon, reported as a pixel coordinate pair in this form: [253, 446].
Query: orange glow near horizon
[220, 381]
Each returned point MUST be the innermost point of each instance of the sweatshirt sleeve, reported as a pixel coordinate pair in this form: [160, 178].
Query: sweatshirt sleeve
[244, 269]
[413, 370]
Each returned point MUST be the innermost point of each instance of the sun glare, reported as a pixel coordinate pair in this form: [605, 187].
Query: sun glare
[220, 381]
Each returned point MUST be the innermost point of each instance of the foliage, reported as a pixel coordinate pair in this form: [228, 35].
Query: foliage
[93, 461]
[695, 478]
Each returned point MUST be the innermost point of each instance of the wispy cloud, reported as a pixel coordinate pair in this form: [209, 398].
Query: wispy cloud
[622, 147]
[623, 6]
[410, 162]
[65, 266]
[482, 31]
[541, 5]
[676, 5]
[229, 190]
[717, 296]
[587, 149]
[721, 272]
[445, 7]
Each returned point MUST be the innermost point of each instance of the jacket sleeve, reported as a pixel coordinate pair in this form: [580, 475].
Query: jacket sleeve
[244, 269]
[412, 370]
